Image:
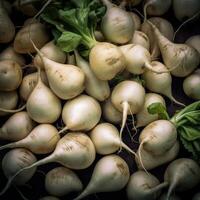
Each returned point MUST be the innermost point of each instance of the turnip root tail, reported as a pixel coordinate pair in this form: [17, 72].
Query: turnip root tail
[170, 190]
[139, 154]
[145, 9]
[125, 106]
[63, 130]
[129, 149]
[36, 164]
[107, 3]
[185, 22]
[13, 111]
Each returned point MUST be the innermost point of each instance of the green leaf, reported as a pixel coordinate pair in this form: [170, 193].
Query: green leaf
[189, 133]
[68, 41]
[158, 108]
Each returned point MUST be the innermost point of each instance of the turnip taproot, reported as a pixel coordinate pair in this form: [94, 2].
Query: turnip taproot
[128, 97]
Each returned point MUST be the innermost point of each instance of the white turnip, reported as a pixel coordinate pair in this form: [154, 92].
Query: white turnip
[17, 127]
[10, 75]
[117, 25]
[194, 41]
[61, 181]
[110, 174]
[142, 186]
[182, 174]
[96, 88]
[191, 85]
[41, 140]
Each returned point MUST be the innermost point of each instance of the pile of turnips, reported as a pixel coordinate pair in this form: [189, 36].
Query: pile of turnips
[83, 81]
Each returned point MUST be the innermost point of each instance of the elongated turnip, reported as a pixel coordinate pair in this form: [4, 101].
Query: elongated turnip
[43, 106]
[141, 39]
[51, 51]
[110, 113]
[143, 118]
[10, 75]
[61, 181]
[81, 113]
[7, 28]
[137, 59]
[186, 58]
[37, 32]
[15, 160]
[128, 97]
[96, 88]
[191, 85]
[185, 9]
[182, 174]
[10, 54]
[39, 141]
[159, 83]
[105, 137]
[150, 161]
[110, 174]
[117, 25]
[142, 186]
[29, 82]
[8, 100]
[194, 41]
[165, 28]
[66, 81]
[17, 127]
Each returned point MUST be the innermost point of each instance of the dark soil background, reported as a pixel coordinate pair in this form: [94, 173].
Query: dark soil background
[34, 189]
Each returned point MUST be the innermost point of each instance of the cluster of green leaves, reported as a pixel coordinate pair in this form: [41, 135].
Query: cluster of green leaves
[73, 22]
[188, 128]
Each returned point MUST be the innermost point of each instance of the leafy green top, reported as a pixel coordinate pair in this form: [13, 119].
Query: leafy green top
[73, 22]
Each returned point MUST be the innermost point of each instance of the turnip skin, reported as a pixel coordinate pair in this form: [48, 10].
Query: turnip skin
[142, 186]
[150, 161]
[110, 174]
[143, 118]
[117, 25]
[61, 181]
[10, 75]
[106, 60]
[8, 100]
[182, 174]
[194, 41]
[191, 85]
[17, 127]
